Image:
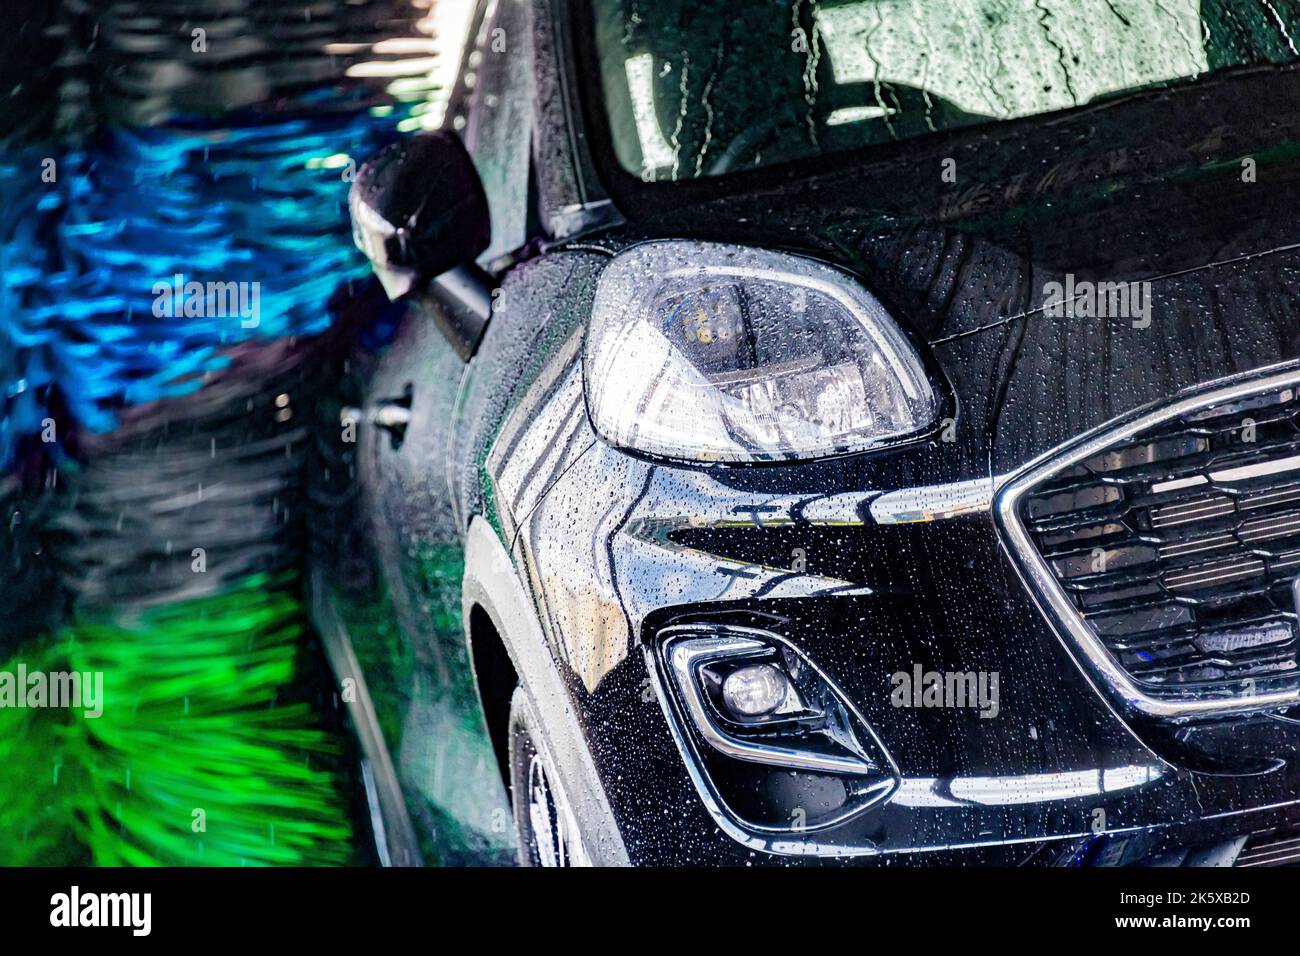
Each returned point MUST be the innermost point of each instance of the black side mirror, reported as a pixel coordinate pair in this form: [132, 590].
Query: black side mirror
[418, 209]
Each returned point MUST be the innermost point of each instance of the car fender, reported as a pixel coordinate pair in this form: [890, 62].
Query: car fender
[491, 583]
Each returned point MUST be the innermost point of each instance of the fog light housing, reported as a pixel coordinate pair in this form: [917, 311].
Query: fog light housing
[773, 745]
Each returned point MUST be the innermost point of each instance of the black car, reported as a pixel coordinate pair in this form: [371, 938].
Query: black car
[838, 431]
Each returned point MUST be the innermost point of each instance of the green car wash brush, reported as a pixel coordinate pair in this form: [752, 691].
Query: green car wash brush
[199, 737]
[193, 757]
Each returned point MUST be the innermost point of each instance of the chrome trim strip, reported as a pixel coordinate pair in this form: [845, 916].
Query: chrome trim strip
[1179, 483]
[1277, 466]
[936, 502]
[1019, 790]
[1047, 591]
[376, 814]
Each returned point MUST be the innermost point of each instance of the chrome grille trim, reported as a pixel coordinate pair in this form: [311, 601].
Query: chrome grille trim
[1079, 638]
[1276, 848]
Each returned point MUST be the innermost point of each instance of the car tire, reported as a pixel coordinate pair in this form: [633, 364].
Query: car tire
[549, 834]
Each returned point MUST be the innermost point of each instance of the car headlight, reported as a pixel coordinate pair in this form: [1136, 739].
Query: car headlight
[724, 353]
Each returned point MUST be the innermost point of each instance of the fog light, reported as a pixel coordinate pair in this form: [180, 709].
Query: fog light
[756, 690]
[772, 743]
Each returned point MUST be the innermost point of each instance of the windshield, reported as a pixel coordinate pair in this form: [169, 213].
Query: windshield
[705, 87]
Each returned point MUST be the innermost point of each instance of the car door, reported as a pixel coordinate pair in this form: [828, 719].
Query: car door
[409, 642]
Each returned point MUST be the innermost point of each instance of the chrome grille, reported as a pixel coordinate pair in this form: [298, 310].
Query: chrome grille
[1171, 548]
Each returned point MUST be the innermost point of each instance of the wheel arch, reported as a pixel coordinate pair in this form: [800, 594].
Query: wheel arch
[497, 608]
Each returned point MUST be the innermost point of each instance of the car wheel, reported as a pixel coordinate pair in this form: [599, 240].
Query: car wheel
[544, 819]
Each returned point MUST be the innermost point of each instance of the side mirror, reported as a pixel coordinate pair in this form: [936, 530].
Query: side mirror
[418, 209]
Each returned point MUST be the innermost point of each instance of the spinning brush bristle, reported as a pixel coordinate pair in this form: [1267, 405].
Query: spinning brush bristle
[224, 158]
[195, 759]
[225, 164]
[236, 206]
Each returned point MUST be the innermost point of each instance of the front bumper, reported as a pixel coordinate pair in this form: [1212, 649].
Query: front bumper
[621, 548]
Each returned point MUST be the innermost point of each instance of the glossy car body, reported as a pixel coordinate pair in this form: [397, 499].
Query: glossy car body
[497, 538]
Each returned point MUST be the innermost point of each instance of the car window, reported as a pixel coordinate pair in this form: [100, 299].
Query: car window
[704, 87]
[497, 123]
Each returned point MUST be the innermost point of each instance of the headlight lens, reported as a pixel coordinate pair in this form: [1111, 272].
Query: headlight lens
[726, 353]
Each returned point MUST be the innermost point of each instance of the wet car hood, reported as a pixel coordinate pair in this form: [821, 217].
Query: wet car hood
[1192, 190]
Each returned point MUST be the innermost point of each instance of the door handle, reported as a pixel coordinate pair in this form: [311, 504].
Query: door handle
[393, 415]
[389, 416]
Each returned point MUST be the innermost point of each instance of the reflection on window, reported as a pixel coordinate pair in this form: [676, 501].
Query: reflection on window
[856, 114]
[707, 87]
[655, 151]
[1009, 58]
